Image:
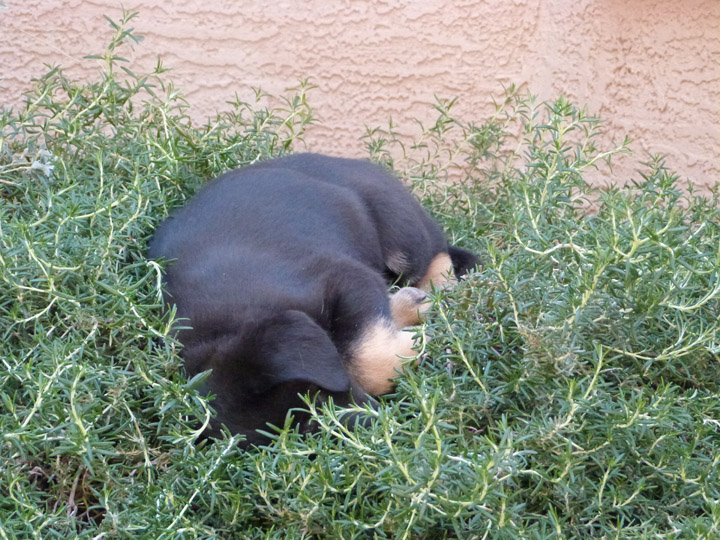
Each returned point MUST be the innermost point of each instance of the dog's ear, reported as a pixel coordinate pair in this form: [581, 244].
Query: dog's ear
[294, 348]
[257, 376]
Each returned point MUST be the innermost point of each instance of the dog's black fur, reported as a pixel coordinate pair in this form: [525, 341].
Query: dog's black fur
[281, 269]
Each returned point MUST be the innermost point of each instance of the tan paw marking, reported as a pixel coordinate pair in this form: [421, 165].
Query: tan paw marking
[408, 306]
[376, 359]
[439, 273]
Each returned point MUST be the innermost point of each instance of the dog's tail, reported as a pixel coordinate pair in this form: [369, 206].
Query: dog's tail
[462, 260]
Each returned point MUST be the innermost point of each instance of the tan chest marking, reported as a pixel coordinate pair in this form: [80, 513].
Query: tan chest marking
[379, 355]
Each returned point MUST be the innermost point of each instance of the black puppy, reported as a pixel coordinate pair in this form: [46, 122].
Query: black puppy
[281, 269]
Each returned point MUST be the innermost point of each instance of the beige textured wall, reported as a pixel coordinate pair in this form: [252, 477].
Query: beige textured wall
[651, 68]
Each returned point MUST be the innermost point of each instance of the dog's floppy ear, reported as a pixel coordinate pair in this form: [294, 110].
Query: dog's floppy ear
[294, 348]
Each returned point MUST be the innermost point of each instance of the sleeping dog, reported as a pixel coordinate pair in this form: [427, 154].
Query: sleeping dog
[281, 269]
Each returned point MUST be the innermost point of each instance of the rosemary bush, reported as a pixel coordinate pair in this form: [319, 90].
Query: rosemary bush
[568, 389]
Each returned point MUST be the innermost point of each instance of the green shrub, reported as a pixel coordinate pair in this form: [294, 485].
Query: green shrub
[568, 389]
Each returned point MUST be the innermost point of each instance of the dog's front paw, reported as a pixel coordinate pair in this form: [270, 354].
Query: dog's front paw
[408, 306]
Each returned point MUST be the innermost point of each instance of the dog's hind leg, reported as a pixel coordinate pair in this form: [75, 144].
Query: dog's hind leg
[439, 273]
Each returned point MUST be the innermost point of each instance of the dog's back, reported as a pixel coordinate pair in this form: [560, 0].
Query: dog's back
[409, 238]
[259, 237]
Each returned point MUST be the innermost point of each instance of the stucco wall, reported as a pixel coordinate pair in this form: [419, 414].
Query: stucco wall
[651, 68]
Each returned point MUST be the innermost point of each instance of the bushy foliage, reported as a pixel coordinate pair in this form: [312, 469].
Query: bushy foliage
[568, 389]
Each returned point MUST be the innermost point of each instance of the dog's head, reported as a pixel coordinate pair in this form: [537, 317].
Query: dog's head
[257, 376]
